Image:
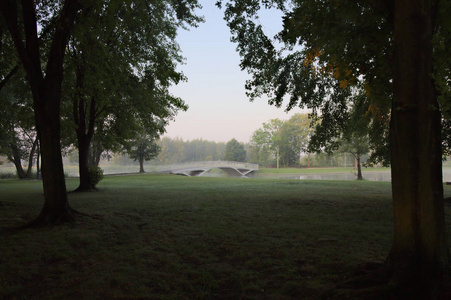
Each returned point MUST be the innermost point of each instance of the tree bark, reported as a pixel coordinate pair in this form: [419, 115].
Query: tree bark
[46, 91]
[38, 167]
[359, 168]
[56, 207]
[84, 121]
[17, 161]
[30, 158]
[419, 254]
[83, 164]
[141, 165]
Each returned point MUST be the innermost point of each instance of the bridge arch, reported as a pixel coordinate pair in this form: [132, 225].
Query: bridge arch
[232, 168]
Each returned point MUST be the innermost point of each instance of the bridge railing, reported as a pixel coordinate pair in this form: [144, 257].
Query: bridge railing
[195, 164]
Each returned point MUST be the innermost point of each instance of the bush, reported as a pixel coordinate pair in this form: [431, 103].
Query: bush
[95, 175]
[8, 176]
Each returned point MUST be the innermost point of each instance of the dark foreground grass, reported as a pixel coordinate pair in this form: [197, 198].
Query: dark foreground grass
[173, 237]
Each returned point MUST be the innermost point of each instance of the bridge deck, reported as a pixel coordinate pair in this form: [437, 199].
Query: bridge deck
[233, 169]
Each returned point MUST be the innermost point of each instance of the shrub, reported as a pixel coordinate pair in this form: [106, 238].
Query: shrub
[95, 175]
[8, 176]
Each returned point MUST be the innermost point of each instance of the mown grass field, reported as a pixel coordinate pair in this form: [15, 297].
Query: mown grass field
[174, 237]
[317, 170]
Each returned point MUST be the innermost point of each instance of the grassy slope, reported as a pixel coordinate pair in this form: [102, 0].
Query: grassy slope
[173, 237]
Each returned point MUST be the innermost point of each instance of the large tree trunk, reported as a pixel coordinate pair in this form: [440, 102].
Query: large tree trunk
[83, 164]
[46, 91]
[84, 121]
[56, 206]
[419, 253]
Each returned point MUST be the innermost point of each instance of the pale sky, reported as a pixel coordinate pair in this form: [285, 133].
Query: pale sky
[218, 107]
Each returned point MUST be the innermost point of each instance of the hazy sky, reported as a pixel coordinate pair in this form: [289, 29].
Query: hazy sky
[218, 107]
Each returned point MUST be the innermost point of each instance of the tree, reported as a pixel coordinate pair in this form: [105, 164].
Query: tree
[40, 32]
[18, 139]
[234, 151]
[119, 79]
[142, 149]
[259, 148]
[295, 134]
[45, 87]
[357, 145]
[273, 138]
[384, 47]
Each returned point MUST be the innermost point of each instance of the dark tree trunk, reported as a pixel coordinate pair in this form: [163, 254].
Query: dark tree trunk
[84, 121]
[9, 76]
[56, 206]
[419, 254]
[141, 165]
[359, 168]
[46, 91]
[30, 158]
[17, 161]
[95, 154]
[83, 164]
[38, 156]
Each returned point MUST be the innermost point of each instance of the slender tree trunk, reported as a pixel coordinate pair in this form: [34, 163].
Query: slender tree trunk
[419, 254]
[359, 168]
[308, 160]
[15, 158]
[141, 165]
[19, 169]
[30, 158]
[38, 156]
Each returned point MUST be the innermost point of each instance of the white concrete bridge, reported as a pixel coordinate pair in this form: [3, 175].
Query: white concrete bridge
[232, 168]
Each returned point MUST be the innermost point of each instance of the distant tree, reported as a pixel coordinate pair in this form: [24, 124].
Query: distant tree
[269, 138]
[144, 148]
[350, 134]
[357, 145]
[234, 151]
[259, 147]
[294, 138]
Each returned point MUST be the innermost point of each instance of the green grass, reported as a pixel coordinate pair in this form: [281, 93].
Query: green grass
[316, 170]
[174, 237]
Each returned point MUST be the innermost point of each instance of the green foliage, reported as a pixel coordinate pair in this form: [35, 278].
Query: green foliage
[234, 151]
[95, 175]
[122, 59]
[284, 140]
[177, 150]
[324, 53]
[18, 138]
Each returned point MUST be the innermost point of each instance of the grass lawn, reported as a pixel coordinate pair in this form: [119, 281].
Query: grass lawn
[317, 170]
[174, 237]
